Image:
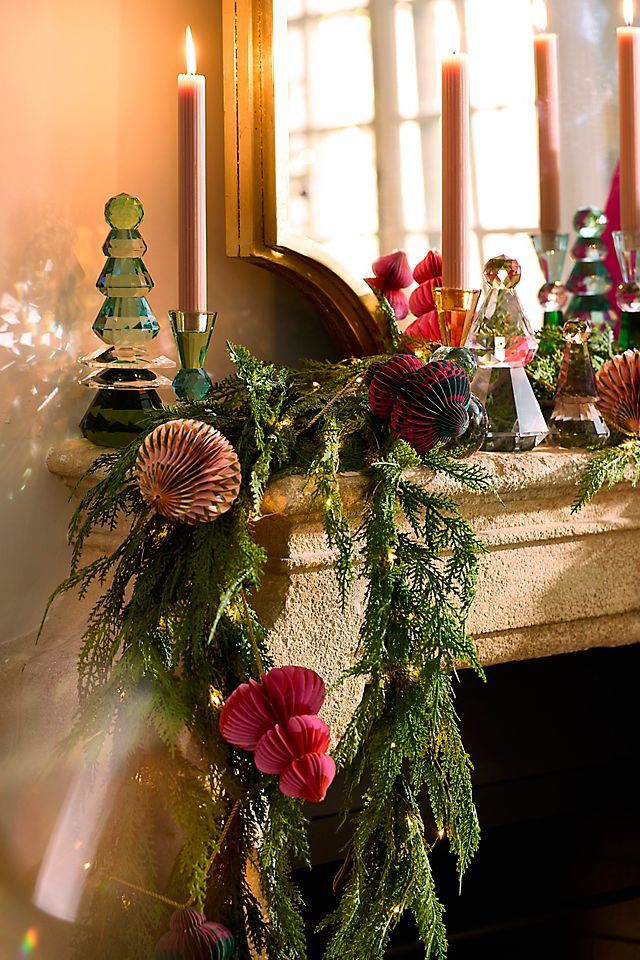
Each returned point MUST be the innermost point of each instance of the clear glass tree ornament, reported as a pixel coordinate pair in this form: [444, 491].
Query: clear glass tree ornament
[504, 343]
[576, 421]
[590, 281]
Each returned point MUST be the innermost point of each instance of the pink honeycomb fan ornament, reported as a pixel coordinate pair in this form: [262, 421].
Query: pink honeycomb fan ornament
[386, 380]
[247, 715]
[430, 268]
[276, 719]
[309, 778]
[188, 472]
[618, 383]
[432, 406]
[192, 937]
[283, 744]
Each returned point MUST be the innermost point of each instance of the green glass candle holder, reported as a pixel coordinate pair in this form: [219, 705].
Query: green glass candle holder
[551, 249]
[192, 333]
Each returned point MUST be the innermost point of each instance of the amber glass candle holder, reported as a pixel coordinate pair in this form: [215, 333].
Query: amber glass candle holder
[456, 310]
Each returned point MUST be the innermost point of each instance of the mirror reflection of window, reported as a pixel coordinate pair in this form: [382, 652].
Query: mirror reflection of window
[364, 122]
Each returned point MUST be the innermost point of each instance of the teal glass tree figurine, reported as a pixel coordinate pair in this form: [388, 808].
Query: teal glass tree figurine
[123, 374]
[503, 341]
[576, 421]
[590, 280]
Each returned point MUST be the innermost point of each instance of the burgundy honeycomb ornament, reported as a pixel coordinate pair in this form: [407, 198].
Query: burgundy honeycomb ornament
[432, 406]
[386, 381]
[192, 937]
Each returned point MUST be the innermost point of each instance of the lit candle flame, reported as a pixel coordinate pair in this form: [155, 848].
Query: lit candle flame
[628, 12]
[539, 15]
[191, 52]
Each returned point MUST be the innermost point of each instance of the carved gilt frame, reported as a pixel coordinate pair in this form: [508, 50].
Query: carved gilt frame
[256, 178]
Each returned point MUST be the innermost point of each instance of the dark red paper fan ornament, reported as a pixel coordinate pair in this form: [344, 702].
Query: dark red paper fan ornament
[192, 937]
[432, 406]
[387, 380]
[429, 268]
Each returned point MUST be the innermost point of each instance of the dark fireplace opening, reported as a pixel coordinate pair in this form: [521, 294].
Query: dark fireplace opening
[555, 748]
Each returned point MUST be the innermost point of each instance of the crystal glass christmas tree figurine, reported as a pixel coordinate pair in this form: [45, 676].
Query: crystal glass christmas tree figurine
[122, 374]
[575, 421]
[590, 280]
[504, 343]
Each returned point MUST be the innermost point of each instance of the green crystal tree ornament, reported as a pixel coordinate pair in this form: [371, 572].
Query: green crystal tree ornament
[590, 280]
[123, 374]
[576, 421]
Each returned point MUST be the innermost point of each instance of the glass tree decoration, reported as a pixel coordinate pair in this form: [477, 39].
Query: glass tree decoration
[504, 343]
[590, 280]
[122, 373]
[575, 421]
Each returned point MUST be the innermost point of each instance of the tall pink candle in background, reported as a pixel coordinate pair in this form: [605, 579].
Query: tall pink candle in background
[629, 97]
[192, 187]
[455, 172]
[545, 47]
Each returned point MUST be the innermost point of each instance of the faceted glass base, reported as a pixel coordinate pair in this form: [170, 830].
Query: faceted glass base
[116, 417]
[192, 384]
[576, 422]
[515, 421]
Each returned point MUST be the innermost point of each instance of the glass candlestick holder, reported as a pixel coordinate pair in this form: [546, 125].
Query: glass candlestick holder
[553, 296]
[192, 333]
[627, 244]
[456, 310]
[576, 420]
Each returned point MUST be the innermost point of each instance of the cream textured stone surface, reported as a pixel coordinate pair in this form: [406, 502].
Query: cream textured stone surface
[550, 583]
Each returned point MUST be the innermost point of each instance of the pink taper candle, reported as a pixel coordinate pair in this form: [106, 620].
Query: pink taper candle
[629, 96]
[545, 47]
[192, 187]
[455, 172]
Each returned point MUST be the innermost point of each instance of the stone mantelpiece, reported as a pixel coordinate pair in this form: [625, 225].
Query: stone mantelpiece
[551, 582]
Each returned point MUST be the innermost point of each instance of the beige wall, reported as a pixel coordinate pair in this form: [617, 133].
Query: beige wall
[88, 109]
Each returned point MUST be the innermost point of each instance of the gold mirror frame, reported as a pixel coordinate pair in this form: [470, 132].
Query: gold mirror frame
[256, 178]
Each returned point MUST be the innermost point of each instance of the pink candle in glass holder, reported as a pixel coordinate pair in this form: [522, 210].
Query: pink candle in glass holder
[629, 96]
[192, 187]
[455, 172]
[545, 47]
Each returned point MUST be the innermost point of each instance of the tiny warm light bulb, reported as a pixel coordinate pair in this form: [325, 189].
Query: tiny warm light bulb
[539, 15]
[191, 52]
[628, 12]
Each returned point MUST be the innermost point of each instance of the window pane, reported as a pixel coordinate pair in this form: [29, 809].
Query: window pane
[406, 60]
[340, 72]
[506, 159]
[343, 195]
[297, 104]
[412, 178]
[500, 45]
[334, 6]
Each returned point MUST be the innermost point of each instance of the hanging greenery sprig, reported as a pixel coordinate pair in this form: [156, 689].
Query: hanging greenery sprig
[174, 620]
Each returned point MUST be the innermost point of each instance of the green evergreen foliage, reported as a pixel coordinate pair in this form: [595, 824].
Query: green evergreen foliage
[174, 624]
[607, 468]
